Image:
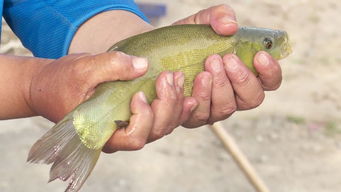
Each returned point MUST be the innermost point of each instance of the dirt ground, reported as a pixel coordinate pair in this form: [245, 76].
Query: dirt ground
[293, 139]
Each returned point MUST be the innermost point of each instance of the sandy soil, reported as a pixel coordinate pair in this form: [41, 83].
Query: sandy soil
[293, 139]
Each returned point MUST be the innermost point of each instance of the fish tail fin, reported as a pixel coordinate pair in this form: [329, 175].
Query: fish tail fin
[72, 160]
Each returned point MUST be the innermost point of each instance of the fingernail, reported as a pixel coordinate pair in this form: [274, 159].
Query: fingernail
[227, 20]
[143, 97]
[232, 64]
[216, 65]
[169, 78]
[263, 59]
[139, 63]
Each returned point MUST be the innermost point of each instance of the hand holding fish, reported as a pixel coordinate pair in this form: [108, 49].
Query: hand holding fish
[151, 122]
[213, 84]
[227, 84]
[64, 83]
[73, 79]
[230, 90]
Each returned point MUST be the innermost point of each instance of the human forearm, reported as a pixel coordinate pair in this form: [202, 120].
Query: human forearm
[15, 78]
[100, 32]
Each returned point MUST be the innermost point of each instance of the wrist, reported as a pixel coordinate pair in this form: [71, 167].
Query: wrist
[32, 69]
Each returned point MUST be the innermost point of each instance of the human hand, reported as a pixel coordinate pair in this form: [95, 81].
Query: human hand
[151, 122]
[227, 84]
[60, 85]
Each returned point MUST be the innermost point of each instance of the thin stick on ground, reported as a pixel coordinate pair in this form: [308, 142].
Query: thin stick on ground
[238, 156]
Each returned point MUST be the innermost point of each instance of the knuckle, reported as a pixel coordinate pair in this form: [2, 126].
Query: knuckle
[119, 58]
[173, 97]
[179, 96]
[227, 110]
[242, 78]
[120, 65]
[115, 55]
[219, 82]
[113, 58]
[222, 113]
[169, 95]
[204, 96]
[116, 59]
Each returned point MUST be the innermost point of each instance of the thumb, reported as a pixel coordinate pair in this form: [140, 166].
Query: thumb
[113, 66]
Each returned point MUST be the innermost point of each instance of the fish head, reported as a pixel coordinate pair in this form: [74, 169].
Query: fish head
[274, 42]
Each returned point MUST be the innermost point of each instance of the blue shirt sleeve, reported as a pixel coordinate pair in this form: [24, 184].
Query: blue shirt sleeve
[46, 27]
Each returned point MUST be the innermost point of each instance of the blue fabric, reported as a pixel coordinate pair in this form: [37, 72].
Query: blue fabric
[1, 4]
[46, 27]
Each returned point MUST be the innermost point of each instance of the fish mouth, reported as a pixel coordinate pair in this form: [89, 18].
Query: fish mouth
[286, 49]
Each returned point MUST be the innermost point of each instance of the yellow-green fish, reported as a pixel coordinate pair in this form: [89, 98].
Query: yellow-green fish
[74, 144]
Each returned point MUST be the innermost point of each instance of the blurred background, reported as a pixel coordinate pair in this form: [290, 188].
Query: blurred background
[293, 139]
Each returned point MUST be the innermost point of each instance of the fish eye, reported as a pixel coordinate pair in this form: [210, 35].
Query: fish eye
[267, 43]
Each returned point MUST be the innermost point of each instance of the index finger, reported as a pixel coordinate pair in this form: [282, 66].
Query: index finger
[221, 18]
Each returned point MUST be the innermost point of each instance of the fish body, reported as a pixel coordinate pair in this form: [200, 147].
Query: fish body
[74, 144]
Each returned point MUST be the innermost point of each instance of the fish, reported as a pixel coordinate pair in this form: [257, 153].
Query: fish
[74, 144]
